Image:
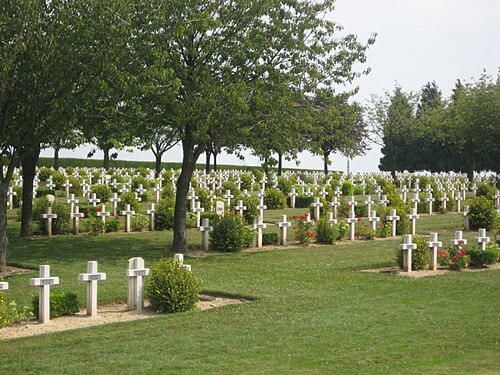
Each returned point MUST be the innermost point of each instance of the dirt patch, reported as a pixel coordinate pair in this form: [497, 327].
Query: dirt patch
[11, 270]
[425, 273]
[112, 313]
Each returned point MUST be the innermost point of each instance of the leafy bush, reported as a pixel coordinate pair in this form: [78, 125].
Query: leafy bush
[482, 213]
[420, 257]
[231, 186]
[230, 234]
[481, 258]
[270, 238]
[164, 217]
[16, 199]
[303, 202]
[129, 198]
[60, 225]
[285, 185]
[246, 181]
[204, 199]
[61, 303]
[274, 199]
[303, 229]
[171, 287]
[103, 192]
[347, 188]
[139, 222]
[76, 187]
[485, 190]
[9, 314]
[251, 204]
[325, 232]
[363, 231]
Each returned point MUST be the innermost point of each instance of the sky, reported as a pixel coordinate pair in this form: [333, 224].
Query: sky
[417, 42]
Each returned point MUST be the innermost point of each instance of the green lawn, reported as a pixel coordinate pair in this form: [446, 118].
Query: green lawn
[313, 313]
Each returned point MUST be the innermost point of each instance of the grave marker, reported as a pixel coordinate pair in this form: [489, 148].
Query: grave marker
[4, 285]
[44, 282]
[481, 239]
[292, 195]
[317, 207]
[240, 208]
[205, 229]
[114, 201]
[48, 216]
[407, 247]
[259, 226]
[219, 208]
[127, 213]
[458, 240]
[151, 213]
[135, 274]
[91, 278]
[434, 245]
[394, 221]
[283, 225]
[413, 216]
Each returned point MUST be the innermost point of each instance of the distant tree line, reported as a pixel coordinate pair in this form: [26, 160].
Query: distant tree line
[428, 132]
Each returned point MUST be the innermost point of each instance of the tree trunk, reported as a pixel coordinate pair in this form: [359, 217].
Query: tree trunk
[158, 157]
[189, 158]
[280, 163]
[105, 163]
[56, 158]
[215, 161]
[207, 162]
[4, 241]
[472, 166]
[29, 165]
[326, 155]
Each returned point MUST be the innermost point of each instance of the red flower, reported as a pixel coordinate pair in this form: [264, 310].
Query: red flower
[381, 225]
[310, 233]
[295, 217]
[87, 210]
[117, 217]
[98, 209]
[315, 220]
[359, 219]
[295, 227]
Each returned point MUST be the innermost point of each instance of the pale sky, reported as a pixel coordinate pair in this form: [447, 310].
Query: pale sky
[418, 41]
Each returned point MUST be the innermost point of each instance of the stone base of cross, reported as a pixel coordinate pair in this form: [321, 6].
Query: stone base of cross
[135, 274]
[407, 247]
[44, 282]
[205, 230]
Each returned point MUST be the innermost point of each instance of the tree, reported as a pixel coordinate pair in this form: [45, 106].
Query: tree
[50, 53]
[218, 50]
[337, 126]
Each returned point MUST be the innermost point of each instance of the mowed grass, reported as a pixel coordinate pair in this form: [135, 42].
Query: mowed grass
[313, 312]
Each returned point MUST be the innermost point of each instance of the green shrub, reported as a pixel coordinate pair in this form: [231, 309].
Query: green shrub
[482, 213]
[16, 199]
[303, 202]
[139, 222]
[76, 187]
[171, 287]
[60, 225]
[103, 192]
[9, 314]
[246, 181]
[61, 303]
[129, 198]
[139, 180]
[204, 199]
[210, 215]
[251, 204]
[325, 232]
[420, 257]
[164, 217]
[285, 185]
[270, 238]
[485, 190]
[347, 188]
[481, 258]
[274, 199]
[231, 186]
[191, 220]
[230, 234]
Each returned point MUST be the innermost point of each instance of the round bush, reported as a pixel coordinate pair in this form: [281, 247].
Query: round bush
[230, 234]
[164, 217]
[347, 188]
[172, 288]
[285, 185]
[420, 257]
[482, 213]
[129, 198]
[274, 199]
[60, 225]
[103, 192]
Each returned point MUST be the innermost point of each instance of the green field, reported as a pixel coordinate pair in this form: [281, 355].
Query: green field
[313, 312]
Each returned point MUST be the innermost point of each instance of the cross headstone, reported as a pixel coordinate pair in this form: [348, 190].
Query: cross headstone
[458, 198]
[123, 189]
[465, 214]
[205, 229]
[384, 201]
[308, 192]
[76, 215]
[459, 240]
[413, 216]
[91, 278]
[368, 202]
[293, 194]
[434, 245]
[240, 207]
[407, 247]
[151, 213]
[140, 189]
[352, 224]
[228, 196]
[404, 191]
[373, 219]
[4, 285]
[219, 208]
[261, 207]
[430, 202]
[44, 282]
[198, 210]
[415, 200]
[394, 218]
[316, 205]
[379, 192]
[481, 239]
[335, 205]
[10, 195]
[157, 191]
[497, 201]
[127, 213]
[323, 192]
[444, 199]
[102, 213]
[48, 216]
[331, 219]
[259, 226]
[72, 201]
[283, 225]
[67, 186]
[94, 200]
[114, 201]
[135, 274]
[352, 203]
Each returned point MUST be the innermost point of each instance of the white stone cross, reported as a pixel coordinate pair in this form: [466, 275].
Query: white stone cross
[198, 210]
[48, 216]
[127, 213]
[331, 219]
[92, 277]
[140, 190]
[351, 204]
[94, 200]
[10, 194]
[459, 240]
[219, 208]
[4, 285]
[373, 219]
[407, 247]
[334, 204]
[444, 199]
[180, 259]
[415, 201]
[261, 207]
[72, 201]
[481, 239]
[259, 226]
[368, 202]
[384, 201]
[413, 216]
[44, 282]
[283, 225]
[323, 192]
[50, 185]
[379, 192]
[434, 245]
[430, 202]
[404, 191]
[76, 215]
[394, 221]
[102, 213]
[458, 198]
[114, 184]
[337, 192]
[497, 200]
[135, 274]
[192, 197]
[352, 224]
[228, 196]
[292, 195]
[67, 185]
[157, 191]
[123, 189]
[465, 214]
[205, 229]
[151, 213]
[308, 192]
[239, 207]
[316, 205]
[474, 190]
[114, 201]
